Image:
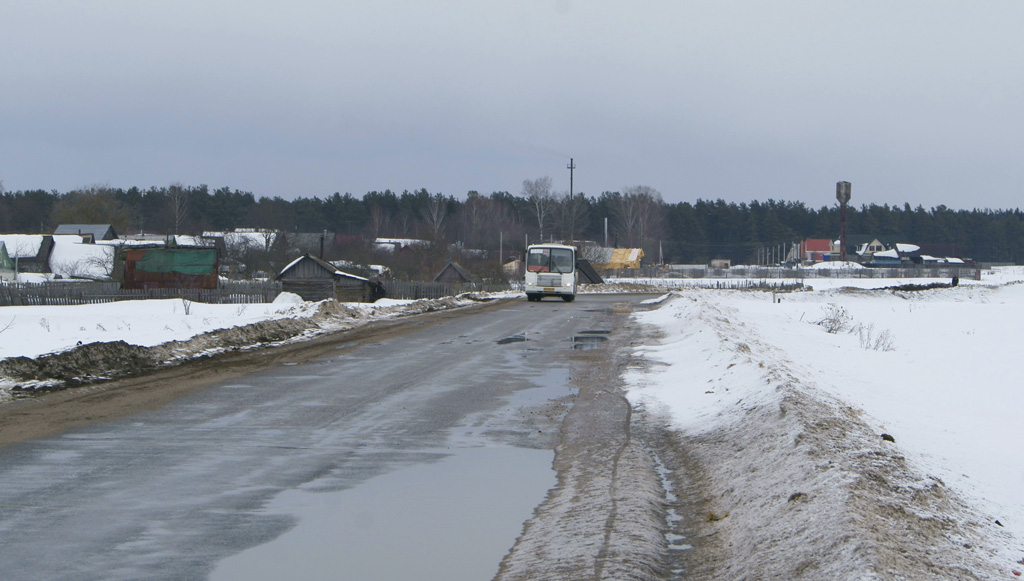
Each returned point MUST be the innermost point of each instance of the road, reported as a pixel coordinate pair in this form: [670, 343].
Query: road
[416, 449]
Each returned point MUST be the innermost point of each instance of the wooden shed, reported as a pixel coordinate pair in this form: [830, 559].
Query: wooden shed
[190, 268]
[6, 265]
[454, 273]
[89, 232]
[315, 279]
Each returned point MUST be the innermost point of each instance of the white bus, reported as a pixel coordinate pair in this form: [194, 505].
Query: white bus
[551, 272]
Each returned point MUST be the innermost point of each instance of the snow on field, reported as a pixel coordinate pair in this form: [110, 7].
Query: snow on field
[936, 370]
[33, 331]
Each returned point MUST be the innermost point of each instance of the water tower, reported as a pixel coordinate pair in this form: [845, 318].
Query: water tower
[843, 195]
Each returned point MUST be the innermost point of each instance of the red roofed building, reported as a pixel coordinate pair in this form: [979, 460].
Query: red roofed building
[815, 249]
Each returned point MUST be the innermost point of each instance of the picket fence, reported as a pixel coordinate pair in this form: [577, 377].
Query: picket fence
[84, 293]
[412, 290]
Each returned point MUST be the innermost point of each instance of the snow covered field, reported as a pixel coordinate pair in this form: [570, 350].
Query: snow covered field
[936, 370]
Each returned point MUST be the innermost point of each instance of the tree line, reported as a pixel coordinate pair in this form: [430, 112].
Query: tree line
[681, 232]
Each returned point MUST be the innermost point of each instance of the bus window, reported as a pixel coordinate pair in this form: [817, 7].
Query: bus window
[538, 260]
[561, 260]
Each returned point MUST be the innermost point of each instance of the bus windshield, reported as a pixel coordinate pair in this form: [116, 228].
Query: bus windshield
[550, 260]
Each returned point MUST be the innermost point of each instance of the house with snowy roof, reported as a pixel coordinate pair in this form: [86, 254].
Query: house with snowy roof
[454, 273]
[315, 279]
[89, 232]
[29, 252]
[7, 272]
[65, 255]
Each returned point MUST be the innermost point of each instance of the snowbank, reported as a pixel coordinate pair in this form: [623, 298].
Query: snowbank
[59, 346]
[787, 419]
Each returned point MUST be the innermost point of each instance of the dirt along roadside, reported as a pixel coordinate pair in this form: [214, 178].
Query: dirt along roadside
[605, 517]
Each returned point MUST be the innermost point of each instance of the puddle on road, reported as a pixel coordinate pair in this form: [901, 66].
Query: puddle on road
[512, 339]
[453, 519]
[588, 341]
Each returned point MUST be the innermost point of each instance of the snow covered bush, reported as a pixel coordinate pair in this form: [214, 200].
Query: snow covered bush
[883, 341]
[836, 318]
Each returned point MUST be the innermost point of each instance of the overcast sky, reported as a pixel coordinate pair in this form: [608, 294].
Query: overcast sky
[911, 101]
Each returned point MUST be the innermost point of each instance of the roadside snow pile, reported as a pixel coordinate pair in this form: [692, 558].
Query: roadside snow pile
[838, 455]
[36, 330]
[55, 347]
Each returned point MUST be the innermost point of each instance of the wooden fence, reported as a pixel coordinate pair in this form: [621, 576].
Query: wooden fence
[411, 290]
[84, 293]
[654, 272]
[230, 292]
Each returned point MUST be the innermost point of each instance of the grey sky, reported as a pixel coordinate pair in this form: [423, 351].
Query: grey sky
[911, 101]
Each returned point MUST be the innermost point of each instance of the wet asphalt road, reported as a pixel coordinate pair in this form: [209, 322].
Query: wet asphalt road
[171, 494]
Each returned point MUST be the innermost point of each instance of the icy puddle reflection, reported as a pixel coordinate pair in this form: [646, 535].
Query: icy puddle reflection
[453, 519]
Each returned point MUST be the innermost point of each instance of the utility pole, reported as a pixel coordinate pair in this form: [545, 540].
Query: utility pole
[569, 206]
[570, 167]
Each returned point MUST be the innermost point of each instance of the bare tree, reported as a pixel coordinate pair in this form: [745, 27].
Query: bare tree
[434, 215]
[95, 204]
[177, 205]
[542, 201]
[21, 249]
[572, 210]
[95, 266]
[404, 223]
[379, 221]
[473, 219]
[639, 216]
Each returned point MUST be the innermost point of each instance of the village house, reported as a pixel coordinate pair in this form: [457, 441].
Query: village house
[814, 250]
[90, 233]
[315, 279]
[29, 252]
[7, 272]
[453, 273]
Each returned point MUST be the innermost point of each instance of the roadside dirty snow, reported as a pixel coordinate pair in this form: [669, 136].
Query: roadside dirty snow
[54, 347]
[785, 425]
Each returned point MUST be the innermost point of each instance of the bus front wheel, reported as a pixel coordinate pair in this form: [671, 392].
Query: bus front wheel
[568, 298]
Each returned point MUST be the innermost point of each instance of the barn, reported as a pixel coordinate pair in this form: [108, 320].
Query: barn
[91, 233]
[192, 268]
[454, 273]
[315, 279]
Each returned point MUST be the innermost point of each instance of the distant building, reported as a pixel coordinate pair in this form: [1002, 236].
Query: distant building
[7, 273]
[89, 232]
[186, 268]
[613, 258]
[453, 273]
[29, 252]
[315, 279]
[513, 268]
[814, 250]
